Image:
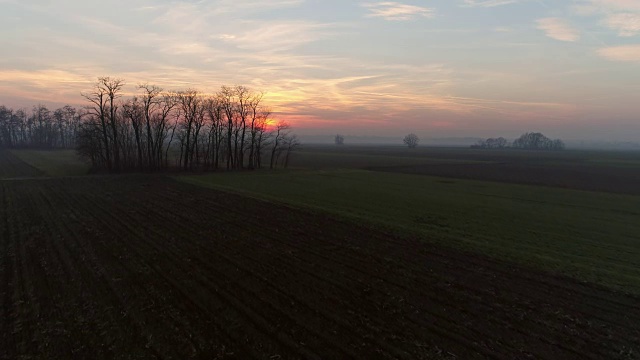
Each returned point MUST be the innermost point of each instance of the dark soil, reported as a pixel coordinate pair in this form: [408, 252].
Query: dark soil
[623, 180]
[146, 267]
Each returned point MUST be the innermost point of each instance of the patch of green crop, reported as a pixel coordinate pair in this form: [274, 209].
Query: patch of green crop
[54, 163]
[587, 235]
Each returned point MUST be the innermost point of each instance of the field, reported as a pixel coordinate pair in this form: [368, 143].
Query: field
[591, 236]
[285, 267]
[54, 163]
[617, 172]
[13, 167]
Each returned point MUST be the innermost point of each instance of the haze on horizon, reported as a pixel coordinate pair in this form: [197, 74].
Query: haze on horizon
[570, 69]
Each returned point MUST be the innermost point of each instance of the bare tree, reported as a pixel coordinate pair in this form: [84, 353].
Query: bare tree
[215, 114]
[254, 105]
[290, 143]
[339, 139]
[227, 101]
[262, 137]
[98, 98]
[191, 110]
[161, 126]
[112, 88]
[244, 105]
[151, 101]
[411, 140]
[133, 111]
[281, 131]
[137, 133]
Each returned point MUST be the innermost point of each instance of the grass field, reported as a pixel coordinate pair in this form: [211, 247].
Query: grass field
[591, 236]
[53, 163]
[13, 167]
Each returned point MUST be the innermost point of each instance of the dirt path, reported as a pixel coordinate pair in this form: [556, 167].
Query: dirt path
[134, 267]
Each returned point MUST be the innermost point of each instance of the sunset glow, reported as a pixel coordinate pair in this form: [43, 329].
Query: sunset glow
[569, 68]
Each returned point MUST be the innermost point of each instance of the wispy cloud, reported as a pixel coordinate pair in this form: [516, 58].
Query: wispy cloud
[595, 6]
[278, 35]
[558, 29]
[487, 3]
[621, 53]
[390, 10]
[626, 24]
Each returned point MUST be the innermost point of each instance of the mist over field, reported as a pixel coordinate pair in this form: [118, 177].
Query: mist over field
[460, 142]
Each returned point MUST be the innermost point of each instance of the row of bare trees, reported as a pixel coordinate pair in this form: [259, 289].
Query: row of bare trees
[41, 128]
[157, 129]
[529, 141]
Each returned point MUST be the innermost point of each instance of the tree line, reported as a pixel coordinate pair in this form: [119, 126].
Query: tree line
[40, 128]
[157, 129]
[529, 141]
[230, 128]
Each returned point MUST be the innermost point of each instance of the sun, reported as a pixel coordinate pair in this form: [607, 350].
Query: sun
[270, 123]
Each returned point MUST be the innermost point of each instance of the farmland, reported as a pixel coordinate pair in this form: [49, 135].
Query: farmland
[54, 162]
[11, 167]
[617, 172]
[313, 264]
[591, 236]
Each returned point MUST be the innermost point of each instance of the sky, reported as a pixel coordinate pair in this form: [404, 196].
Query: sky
[438, 68]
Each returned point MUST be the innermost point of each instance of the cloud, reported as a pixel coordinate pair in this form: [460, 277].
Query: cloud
[487, 3]
[621, 53]
[627, 24]
[605, 7]
[390, 10]
[558, 29]
[277, 35]
[612, 5]
[622, 16]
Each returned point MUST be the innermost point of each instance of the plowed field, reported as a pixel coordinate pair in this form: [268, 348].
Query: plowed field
[146, 267]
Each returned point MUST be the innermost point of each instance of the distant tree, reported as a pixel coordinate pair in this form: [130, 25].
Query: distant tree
[537, 141]
[339, 140]
[411, 140]
[557, 144]
[492, 143]
[500, 143]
